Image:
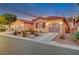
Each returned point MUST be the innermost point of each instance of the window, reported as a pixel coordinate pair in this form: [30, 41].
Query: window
[42, 25]
[36, 25]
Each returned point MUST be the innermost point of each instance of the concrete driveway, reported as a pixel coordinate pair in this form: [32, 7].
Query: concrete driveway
[43, 38]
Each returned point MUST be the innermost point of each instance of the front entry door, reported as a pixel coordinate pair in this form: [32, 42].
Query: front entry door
[55, 27]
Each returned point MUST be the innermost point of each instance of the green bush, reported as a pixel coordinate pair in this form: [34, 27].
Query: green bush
[75, 35]
[62, 36]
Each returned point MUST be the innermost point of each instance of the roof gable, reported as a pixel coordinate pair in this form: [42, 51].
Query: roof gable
[49, 18]
[37, 18]
[53, 17]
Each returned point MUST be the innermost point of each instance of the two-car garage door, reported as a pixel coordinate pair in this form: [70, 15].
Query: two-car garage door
[55, 27]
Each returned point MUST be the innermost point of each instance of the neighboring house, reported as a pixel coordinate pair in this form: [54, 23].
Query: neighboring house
[74, 24]
[21, 24]
[77, 25]
[50, 24]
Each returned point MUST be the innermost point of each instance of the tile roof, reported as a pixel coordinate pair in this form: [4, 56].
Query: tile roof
[26, 21]
[37, 18]
[48, 18]
[53, 17]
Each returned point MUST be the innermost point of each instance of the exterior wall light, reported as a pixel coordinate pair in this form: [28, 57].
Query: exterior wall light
[47, 23]
[22, 25]
[61, 23]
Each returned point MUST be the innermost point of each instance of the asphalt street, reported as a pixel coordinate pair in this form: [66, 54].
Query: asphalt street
[13, 46]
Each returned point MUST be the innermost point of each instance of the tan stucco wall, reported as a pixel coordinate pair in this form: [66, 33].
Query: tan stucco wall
[37, 29]
[59, 21]
[27, 26]
[70, 24]
[21, 25]
[49, 22]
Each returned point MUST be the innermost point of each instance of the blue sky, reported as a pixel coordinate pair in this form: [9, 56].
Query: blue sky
[32, 10]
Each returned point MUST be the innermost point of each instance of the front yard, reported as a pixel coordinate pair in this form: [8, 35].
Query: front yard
[66, 40]
[49, 39]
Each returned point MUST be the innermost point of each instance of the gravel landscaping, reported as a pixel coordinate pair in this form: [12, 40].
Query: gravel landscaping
[66, 40]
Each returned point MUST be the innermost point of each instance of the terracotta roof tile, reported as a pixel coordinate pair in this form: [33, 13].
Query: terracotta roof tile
[49, 18]
[37, 18]
[53, 17]
[26, 21]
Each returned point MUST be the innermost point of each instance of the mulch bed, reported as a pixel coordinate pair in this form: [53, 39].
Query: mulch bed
[67, 40]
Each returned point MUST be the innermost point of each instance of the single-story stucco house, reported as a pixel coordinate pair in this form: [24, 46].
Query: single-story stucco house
[50, 24]
[40, 24]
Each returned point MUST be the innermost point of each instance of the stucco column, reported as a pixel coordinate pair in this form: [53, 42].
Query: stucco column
[61, 28]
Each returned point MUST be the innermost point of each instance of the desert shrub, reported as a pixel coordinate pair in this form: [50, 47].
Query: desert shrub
[75, 36]
[62, 36]
[36, 34]
[32, 32]
[24, 34]
[41, 32]
[2, 29]
[27, 30]
[19, 32]
[15, 33]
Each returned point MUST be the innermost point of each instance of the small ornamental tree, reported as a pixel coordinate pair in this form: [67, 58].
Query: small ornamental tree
[9, 18]
[2, 20]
